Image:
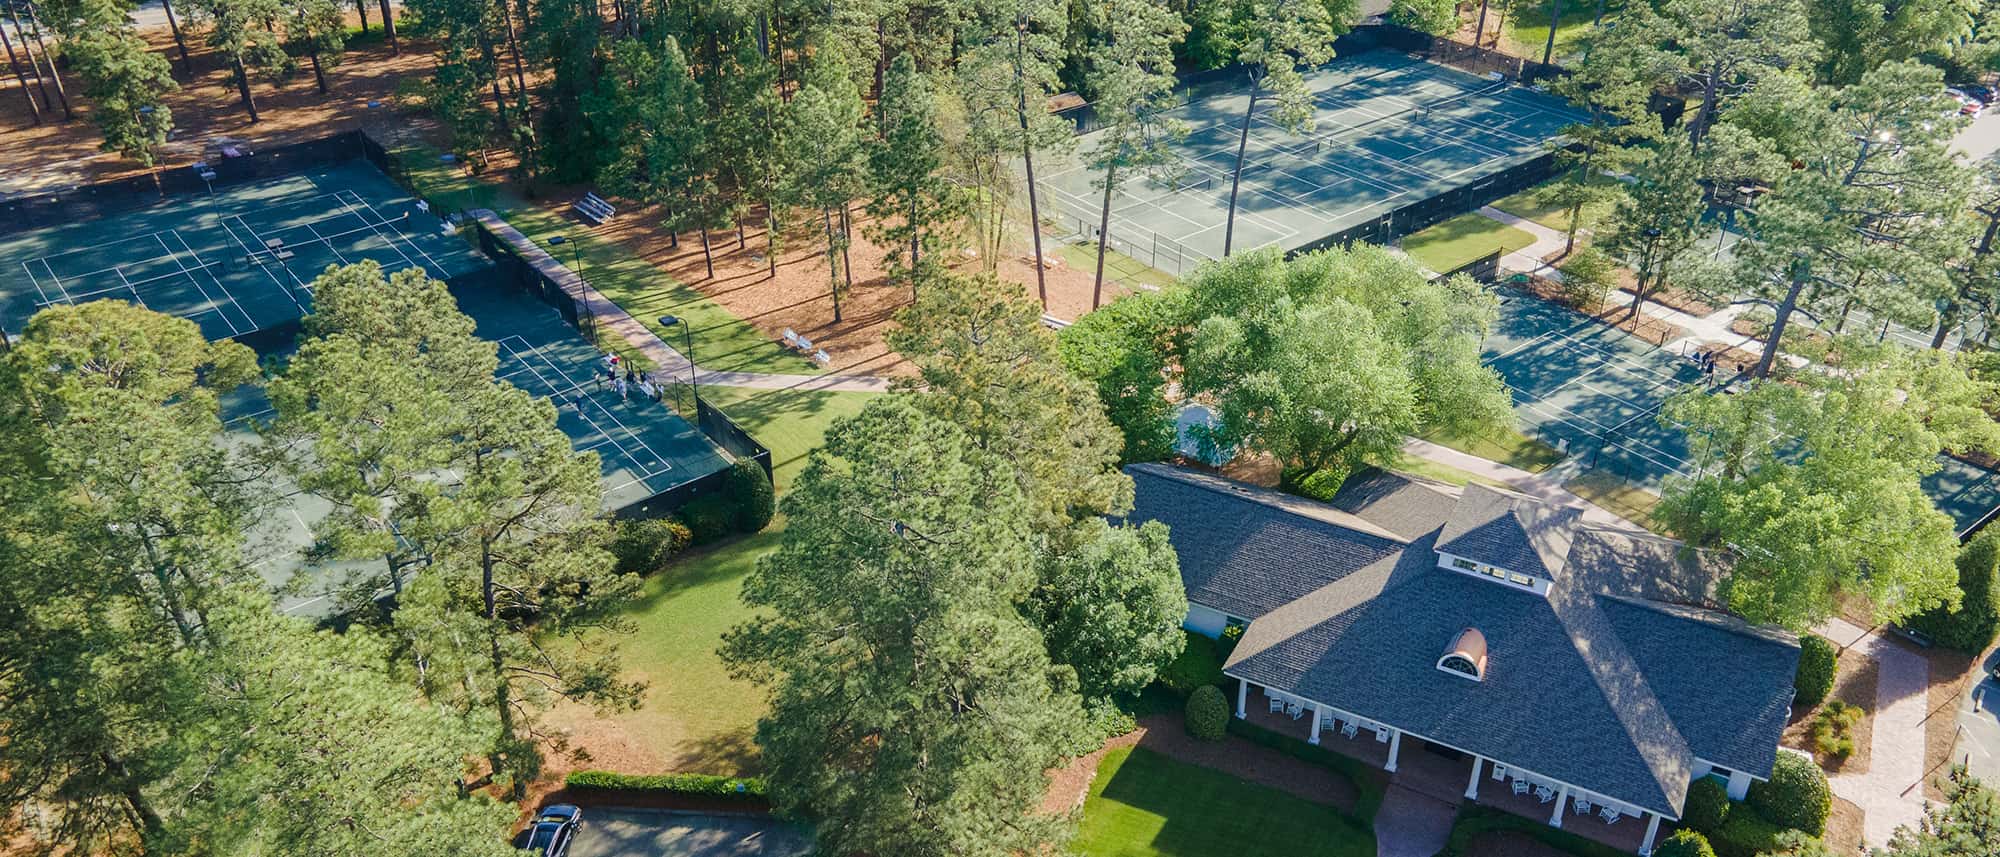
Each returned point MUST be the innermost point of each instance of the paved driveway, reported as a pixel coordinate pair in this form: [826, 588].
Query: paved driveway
[660, 833]
[1979, 738]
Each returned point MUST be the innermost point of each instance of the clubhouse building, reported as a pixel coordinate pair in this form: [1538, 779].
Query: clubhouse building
[1487, 643]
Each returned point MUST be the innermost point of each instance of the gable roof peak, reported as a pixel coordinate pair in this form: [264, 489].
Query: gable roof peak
[1511, 531]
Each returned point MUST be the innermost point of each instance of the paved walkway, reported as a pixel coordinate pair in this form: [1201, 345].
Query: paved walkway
[614, 319]
[1546, 486]
[1528, 260]
[1890, 792]
[1412, 824]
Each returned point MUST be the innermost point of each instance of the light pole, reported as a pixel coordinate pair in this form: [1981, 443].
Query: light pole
[687, 336]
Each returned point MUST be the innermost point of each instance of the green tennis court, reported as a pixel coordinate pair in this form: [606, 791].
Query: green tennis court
[237, 261]
[1393, 131]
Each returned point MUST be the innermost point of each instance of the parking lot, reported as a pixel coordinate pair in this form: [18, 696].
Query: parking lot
[666, 833]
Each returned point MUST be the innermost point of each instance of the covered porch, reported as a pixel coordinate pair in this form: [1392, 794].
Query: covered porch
[1451, 775]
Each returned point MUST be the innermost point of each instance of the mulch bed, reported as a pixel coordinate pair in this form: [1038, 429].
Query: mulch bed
[1853, 683]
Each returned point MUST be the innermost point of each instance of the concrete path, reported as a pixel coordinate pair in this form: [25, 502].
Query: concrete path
[1411, 824]
[1891, 791]
[614, 319]
[1528, 260]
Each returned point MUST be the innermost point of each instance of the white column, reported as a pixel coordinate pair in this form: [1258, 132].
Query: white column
[1395, 744]
[1314, 738]
[1652, 830]
[1472, 785]
[1562, 800]
[1242, 694]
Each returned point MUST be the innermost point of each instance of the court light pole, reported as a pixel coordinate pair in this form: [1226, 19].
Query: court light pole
[576, 254]
[687, 336]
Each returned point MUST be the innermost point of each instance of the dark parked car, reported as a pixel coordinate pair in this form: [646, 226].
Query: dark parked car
[1979, 92]
[553, 829]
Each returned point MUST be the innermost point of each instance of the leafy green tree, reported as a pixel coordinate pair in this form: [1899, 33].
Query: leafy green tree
[366, 409]
[1856, 36]
[1869, 216]
[1658, 216]
[238, 33]
[1332, 358]
[1726, 46]
[1622, 67]
[124, 527]
[913, 709]
[1588, 276]
[122, 76]
[823, 133]
[1011, 71]
[1436, 17]
[566, 36]
[1131, 68]
[915, 209]
[1280, 39]
[1123, 350]
[1111, 607]
[1814, 487]
[317, 29]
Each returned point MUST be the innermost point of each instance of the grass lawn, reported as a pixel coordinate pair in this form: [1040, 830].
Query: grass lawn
[1117, 266]
[1463, 239]
[695, 717]
[1619, 497]
[721, 340]
[1428, 469]
[1528, 205]
[1143, 804]
[1511, 448]
[1528, 28]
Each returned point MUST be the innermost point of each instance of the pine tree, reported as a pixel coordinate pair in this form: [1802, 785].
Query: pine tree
[240, 31]
[1131, 68]
[827, 158]
[1011, 72]
[317, 29]
[916, 210]
[1281, 38]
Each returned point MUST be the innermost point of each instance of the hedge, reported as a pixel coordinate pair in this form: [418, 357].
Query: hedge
[1745, 834]
[1685, 843]
[1321, 484]
[1207, 714]
[1796, 796]
[1475, 821]
[749, 487]
[691, 785]
[1707, 806]
[1198, 664]
[1971, 628]
[1818, 659]
[645, 545]
[1369, 782]
[709, 518]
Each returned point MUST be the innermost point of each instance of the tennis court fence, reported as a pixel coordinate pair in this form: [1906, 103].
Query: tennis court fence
[1144, 245]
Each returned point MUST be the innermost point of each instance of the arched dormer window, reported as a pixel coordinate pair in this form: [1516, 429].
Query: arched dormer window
[1466, 657]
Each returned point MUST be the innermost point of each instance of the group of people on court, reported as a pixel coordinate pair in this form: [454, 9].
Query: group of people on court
[625, 384]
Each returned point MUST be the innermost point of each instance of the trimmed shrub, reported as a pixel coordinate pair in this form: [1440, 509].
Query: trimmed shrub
[1796, 796]
[1817, 660]
[1197, 664]
[1319, 485]
[1225, 645]
[1207, 713]
[693, 785]
[1972, 627]
[1707, 805]
[1745, 835]
[1833, 729]
[708, 518]
[1685, 843]
[750, 489]
[642, 546]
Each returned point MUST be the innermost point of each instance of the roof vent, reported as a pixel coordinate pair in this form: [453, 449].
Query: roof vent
[1466, 657]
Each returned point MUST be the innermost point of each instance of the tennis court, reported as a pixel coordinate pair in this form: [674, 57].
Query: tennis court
[235, 262]
[1392, 131]
[1589, 389]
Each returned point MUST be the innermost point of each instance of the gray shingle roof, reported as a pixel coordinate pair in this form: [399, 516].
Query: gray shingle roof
[1511, 531]
[1405, 505]
[1613, 694]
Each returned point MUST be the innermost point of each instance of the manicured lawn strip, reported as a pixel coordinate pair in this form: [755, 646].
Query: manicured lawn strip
[791, 423]
[1528, 27]
[1475, 821]
[1511, 448]
[1117, 266]
[1143, 804]
[1463, 239]
[1428, 469]
[1528, 205]
[1619, 497]
[721, 340]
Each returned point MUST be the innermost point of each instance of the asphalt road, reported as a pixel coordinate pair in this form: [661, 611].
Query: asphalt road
[1979, 731]
[660, 833]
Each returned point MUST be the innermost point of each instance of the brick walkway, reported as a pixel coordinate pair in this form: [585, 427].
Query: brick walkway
[1891, 791]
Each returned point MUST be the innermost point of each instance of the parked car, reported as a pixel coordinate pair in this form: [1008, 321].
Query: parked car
[1967, 105]
[553, 829]
[1978, 91]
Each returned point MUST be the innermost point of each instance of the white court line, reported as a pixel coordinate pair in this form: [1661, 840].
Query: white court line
[60, 288]
[329, 244]
[37, 283]
[233, 329]
[555, 390]
[208, 269]
[390, 236]
[135, 292]
[250, 255]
